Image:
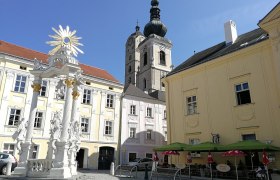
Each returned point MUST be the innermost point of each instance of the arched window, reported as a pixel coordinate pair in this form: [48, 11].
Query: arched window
[145, 58]
[162, 58]
[129, 80]
[129, 69]
[144, 83]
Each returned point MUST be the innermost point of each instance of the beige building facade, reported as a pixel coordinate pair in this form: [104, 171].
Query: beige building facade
[99, 109]
[229, 92]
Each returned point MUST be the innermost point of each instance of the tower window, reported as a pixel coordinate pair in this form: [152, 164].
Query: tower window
[145, 83]
[145, 58]
[129, 69]
[162, 58]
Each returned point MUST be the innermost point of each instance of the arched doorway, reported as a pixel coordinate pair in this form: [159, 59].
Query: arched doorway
[106, 156]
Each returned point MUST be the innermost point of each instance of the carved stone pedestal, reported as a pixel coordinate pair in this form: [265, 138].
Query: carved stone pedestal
[61, 167]
[22, 167]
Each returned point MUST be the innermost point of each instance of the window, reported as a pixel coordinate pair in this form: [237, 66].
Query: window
[132, 133]
[149, 134]
[14, 117]
[145, 83]
[9, 148]
[149, 155]
[20, 84]
[191, 105]
[145, 58]
[129, 69]
[43, 89]
[34, 152]
[248, 137]
[133, 109]
[108, 128]
[149, 112]
[129, 80]
[194, 141]
[86, 96]
[110, 101]
[162, 58]
[38, 119]
[131, 156]
[164, 114]
[88, 83]
[165, 135]
[242, 93]
[84, 124]
[22, 67]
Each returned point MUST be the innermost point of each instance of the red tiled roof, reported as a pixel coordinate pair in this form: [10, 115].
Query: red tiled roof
[30, 54]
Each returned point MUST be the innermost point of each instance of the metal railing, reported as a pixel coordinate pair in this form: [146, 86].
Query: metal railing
[126, 171]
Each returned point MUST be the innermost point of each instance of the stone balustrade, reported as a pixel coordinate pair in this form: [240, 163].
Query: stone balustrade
[39, 167]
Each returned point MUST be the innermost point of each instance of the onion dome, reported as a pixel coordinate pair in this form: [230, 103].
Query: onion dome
[155, 26]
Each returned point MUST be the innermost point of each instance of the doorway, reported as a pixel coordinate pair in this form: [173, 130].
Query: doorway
[106, 157]
[80, 158]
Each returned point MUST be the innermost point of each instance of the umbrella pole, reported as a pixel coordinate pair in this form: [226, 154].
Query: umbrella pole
[211, 170]
[267, 172]
[252, 161]
[236, 168]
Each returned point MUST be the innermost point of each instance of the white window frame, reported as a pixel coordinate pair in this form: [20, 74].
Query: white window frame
[132, 133]
[32, 151]
[8, 150]
[44, 88]
[242, 89]
[83, 123]
[191, 103]
[86, 96]
[19, 116]
[108, 124]
[149, 134]
[110, 101]
[149, 112]
[20, 83]
[39, 118]
[133, 109]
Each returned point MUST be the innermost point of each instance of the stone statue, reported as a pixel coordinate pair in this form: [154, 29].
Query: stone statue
[20, 133]
[38, 65]
[60, 90]
[56, 127]
[74, 136]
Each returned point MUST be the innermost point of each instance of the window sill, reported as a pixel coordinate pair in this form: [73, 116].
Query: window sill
[132, 114]
[192, 114]
[148, 117]
[19, 92]
[85, 133]
[10, 126]
[109, 107]
[108, 135]
[35, 128]
[86, 104]
[247, 104]
[43, 96]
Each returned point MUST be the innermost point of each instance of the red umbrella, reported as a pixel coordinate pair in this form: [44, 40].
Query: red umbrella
[234, 153]
[170, 153]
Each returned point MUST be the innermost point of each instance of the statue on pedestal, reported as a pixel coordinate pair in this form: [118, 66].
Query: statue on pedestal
[20, 133]
[74, 137]
[56, 127]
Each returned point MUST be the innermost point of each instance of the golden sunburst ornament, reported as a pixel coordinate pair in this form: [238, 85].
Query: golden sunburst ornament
[65, 38]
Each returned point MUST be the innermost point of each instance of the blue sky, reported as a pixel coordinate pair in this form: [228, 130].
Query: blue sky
[193, 25]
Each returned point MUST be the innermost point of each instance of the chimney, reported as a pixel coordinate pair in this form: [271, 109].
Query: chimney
[230, 32]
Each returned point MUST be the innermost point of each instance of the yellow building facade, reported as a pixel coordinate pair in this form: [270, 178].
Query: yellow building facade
[231, 90]
[99, 109]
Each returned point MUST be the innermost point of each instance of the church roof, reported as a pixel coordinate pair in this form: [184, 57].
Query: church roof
[29, 54]
[222, 49]
[132, 90]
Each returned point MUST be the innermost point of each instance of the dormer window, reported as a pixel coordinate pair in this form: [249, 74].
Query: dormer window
[162, 58]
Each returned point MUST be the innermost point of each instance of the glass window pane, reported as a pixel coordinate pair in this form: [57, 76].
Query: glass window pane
[245, 86]
[238, 87]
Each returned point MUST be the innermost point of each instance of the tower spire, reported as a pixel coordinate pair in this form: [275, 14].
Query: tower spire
[155, 26]
[137, 26]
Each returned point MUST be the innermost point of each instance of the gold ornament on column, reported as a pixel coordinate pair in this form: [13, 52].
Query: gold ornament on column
[69, 82]
[36, 87]
[75, 95]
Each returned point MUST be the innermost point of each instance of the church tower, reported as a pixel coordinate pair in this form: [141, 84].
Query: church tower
[148, 56]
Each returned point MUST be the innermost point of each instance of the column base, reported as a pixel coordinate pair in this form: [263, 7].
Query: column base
[60, 173]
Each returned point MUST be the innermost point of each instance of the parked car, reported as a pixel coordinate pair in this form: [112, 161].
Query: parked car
[4, 159]
[141, 163]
